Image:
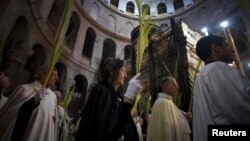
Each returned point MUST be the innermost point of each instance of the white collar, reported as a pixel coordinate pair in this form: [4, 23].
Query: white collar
[163, 95]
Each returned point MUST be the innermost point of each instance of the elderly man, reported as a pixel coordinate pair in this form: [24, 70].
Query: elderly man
[30, 112]
[167, 123]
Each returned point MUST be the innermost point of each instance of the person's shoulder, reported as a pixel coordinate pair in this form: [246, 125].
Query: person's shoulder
[100, 88]
[215, 66]
[224, 66]
[220, 63]
[24, 86]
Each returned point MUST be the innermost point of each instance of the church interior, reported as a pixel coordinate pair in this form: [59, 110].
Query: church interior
[99, 29]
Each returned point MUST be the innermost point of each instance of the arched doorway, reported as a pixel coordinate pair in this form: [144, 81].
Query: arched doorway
[15, 53]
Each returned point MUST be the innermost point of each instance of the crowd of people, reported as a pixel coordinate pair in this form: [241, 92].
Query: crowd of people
[35, 112]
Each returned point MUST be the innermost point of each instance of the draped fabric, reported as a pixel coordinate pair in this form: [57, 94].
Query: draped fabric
[41, 125]
[221, 96]
[64, 132]
[167, 123]
[105, 117]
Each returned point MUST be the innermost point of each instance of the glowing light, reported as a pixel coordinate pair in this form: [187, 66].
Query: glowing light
[204, 30]
[224, 24]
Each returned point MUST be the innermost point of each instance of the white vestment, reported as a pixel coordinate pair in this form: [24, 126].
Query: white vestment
[63, 125]
[42, 125]
[137, 122]
[221, 96]
[167, 123]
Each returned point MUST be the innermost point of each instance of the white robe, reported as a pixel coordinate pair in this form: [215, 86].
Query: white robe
[42, 125]
[221, 96]
[63, 125]
[137, 122]
[167, 123]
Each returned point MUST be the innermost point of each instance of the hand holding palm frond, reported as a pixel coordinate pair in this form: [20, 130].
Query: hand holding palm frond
[144, 29]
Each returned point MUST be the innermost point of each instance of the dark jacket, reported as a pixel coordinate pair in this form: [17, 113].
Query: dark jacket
[105, 117]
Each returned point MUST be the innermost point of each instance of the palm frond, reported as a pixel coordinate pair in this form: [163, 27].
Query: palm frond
[60, 38]
[138, 3]
[165, 66]
[137, 99]
[148, 105]
[145, 27]
[68, 97]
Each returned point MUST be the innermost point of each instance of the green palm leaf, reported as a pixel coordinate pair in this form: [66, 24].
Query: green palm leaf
[145, 27]
[148, 105]
[60, 38]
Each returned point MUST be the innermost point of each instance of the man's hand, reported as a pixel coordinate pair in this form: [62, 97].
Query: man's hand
[40, 95]
[188, 115]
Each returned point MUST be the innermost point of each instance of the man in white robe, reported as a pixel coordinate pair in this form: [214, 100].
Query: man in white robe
[30, 112]
[167, 123]
[221, 92]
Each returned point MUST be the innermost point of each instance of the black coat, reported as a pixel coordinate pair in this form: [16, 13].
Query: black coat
[105, 117]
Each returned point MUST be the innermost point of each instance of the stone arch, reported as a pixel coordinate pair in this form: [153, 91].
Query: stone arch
[127, 52]
[35, 61]
[95, 11]
[109, 48]
[114, 2]
[112, 23]
[178, 4]
[130, 7]
[79, 95]
[72, 30]
[89, 43]
[129, 27]
[55, 14]
[15, 52]
[161, 8]
[61, 84]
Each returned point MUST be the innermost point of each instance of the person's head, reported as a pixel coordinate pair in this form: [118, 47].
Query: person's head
[58, 97]
[214, 48]
[169, 85]
[113, 71]
[52, 78]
